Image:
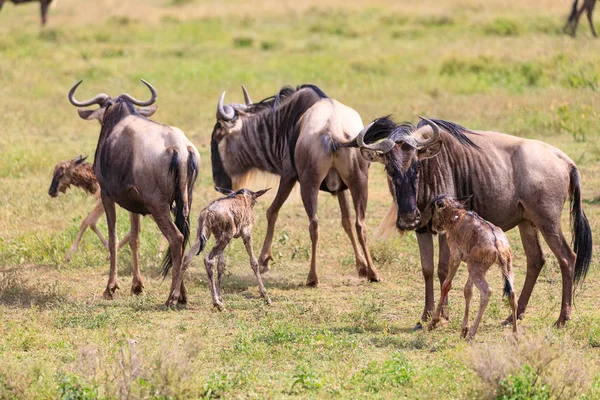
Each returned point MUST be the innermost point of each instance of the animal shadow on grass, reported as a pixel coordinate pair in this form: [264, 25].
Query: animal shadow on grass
[18, 292]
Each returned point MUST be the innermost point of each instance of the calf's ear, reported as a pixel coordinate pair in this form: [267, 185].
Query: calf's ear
[372, 155]
[147, 111]
[429, 151]
[91, 114]
[260, 193]
[223, 190]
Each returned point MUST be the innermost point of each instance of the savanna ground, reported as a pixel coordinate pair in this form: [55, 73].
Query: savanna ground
[497, 65]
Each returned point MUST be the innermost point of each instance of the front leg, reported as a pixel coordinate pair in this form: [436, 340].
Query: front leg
[111, 221]
[425, 241]
[443, 262]
[286, 184]
[247, 237]
[446, 286]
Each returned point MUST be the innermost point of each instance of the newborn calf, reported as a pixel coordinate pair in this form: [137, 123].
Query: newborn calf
[480, 244]
[226, 218]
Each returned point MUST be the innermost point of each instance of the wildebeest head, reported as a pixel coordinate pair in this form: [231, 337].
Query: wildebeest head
[400, 152]
[61, 180]
[444, 210]
[113, 106]
[228, 123]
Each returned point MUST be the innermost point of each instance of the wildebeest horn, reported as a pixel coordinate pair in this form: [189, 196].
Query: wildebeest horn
[227, 112]
[100, 99]
[384, 146]
[247, 98]
[436, 133]
[137, 102]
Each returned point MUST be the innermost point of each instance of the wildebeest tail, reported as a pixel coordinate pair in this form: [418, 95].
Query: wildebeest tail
[582, 234]
[180, 209]
[573, 12]
[505, 262]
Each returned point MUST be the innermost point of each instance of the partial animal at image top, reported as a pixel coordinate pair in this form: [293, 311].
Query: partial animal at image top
[226, 218]
[295, 134]
[146, 168]
[44, 5]
[480, 244]
[505, 177]
[573, 20]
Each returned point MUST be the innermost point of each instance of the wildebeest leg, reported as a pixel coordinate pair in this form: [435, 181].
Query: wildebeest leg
[566, 259]
[589, 12]
[468, 291]
[209, 263]
[220, 271]
[90, 220]
[111, 221]
[443, 261]
[358, 185]
[425, 241]
[254, 265]
[44, 4]
[310, 195]
[535, 262]
[446, 286]
[162, 218]
[344, 201]
[137, 285]
[286, 184]
[583, 8]
[477, 274]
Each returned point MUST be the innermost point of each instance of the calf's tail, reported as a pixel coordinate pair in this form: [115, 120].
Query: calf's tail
[582, 233]
[505, 262]
[180, 208]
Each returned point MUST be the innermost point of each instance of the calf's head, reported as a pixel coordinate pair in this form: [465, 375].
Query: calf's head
[229, 124]
[114, 108]
[445, 210]
[401, 153]
[247, 194]
[63, 174]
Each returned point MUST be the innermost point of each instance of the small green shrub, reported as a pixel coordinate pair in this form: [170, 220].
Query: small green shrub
[71, 387]
[305, 379]
[502, 27]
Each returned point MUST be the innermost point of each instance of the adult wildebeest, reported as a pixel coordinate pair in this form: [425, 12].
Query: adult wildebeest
[146, 168]
[44, 4]
[294, 134]
[512, 181]
[573, 20]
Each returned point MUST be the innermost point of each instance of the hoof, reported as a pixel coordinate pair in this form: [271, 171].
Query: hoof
[418, 326]
[219, 306]
[176, 301]
[464, 333]
[67, 257]
[375, 278]
[268, 300]
[137, 289]
[312, 282]
[362, 271]
[561, 322]
[431, 326]
[109, 292]
[263, 264]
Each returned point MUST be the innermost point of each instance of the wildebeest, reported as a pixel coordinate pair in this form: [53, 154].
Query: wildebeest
[226, 218]
[294, 134]
[146, 168]
[511, 181]
[480, 244]
[573, 20]
[80, 174]
[44, 4]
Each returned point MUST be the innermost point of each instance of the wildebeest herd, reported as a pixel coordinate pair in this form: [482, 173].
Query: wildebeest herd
[466, 186]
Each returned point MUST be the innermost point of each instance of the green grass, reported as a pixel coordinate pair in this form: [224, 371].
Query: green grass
[481, 64]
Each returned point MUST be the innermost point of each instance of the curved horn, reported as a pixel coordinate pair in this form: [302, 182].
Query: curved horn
[225, 115]
[384, 146]
[137, 102]
[100, 99]
[247, 98]
[436, 133]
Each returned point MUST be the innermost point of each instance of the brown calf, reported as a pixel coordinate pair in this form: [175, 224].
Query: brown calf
[226, 218]
[480, 244]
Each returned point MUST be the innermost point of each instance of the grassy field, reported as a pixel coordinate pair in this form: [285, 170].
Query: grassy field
[497, 65]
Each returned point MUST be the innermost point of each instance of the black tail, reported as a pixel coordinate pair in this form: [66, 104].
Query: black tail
[582, 234]
[508, 289]
[182, 220]
[573, 12]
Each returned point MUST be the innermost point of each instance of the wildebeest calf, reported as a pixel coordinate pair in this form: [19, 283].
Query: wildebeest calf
[226, 218]
[480, 244]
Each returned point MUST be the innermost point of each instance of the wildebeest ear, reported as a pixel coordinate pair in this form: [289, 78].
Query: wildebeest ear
[223, 190]
[91, 114]
[430, 151]
[147, 111]
[372, 155]
[260, 193]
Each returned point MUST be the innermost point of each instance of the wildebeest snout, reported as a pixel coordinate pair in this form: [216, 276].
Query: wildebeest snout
[408, 221]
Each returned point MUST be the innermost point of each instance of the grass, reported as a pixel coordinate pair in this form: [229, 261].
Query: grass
[481, 64]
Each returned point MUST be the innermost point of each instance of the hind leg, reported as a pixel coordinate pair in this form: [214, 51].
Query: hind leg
[246, 236]
[137, 286]
[468, 291]
[209, 262]
[344, 201]
[446, 286]
[477, 273]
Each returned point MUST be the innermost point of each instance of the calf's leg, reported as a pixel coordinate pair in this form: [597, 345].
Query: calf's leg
[254, 265]
[477, 274]
[89, 221]
[468, 291]
[209, 263]
[446, 286]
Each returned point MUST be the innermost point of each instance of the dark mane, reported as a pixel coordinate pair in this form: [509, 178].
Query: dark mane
[285, 92]
[456, 130]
